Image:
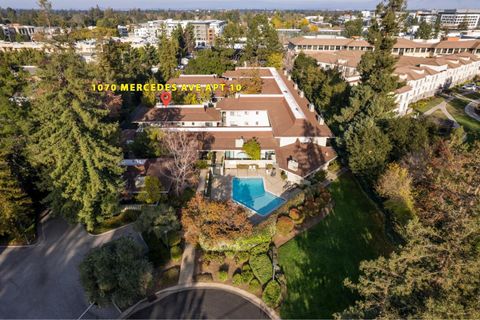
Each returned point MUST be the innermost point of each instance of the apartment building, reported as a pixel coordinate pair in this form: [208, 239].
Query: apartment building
[205, 31]
[11, 30]
[423, 77]
[292, 136]
[420, 48]
[454, 17]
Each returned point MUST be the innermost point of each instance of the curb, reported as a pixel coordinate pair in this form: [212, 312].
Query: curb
[202, 285]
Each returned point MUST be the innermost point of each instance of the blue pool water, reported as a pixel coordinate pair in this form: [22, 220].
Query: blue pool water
[251, 193]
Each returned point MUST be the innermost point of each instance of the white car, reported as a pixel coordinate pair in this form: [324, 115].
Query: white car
[470, 87]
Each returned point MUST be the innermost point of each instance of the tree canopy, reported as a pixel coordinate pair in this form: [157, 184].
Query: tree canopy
[73, 144]
[117, 271]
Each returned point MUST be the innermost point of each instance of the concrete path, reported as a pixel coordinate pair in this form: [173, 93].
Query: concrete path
[187, 267]
[202, 180]
[42, 281]
[443, 107]
[470, 110]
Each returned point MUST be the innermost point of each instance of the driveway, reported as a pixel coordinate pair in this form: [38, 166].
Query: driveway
[201, 304]
[42, 281]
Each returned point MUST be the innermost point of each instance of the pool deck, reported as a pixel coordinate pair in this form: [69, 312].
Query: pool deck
[222, 185]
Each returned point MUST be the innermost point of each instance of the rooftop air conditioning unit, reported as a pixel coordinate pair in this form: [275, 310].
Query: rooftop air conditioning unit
[292, 165]
[239, 143]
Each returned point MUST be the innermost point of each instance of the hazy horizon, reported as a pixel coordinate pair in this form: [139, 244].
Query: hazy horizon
[237, 4]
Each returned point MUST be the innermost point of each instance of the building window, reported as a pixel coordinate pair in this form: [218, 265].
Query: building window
[257, 113]
[232, 113]
[193, 123]
[246, 112]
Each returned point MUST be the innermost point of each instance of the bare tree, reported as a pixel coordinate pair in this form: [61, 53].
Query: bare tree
[182, 147]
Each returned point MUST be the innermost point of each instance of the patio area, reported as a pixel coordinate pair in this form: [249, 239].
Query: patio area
[222, 185]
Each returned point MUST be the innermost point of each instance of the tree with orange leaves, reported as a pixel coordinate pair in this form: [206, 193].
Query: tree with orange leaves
[215, 221]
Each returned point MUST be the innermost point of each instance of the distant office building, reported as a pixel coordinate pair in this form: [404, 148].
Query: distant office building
[427, 16]
[454, 17]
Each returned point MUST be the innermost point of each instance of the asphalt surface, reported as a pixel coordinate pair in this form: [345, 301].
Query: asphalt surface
[42, 281]
[201, 304]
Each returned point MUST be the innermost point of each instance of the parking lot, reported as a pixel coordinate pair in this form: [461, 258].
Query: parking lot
[42, 281]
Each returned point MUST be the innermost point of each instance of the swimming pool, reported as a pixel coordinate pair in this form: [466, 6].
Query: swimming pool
[251, 193]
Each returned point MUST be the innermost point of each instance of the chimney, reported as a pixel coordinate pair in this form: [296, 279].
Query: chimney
[302, 95]
[295, 86]
[289, 78]
[320, 120]
[285, 72]
[237, 95]
[311, 107]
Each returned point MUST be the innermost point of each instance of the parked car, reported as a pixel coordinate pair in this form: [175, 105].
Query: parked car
[470, 87]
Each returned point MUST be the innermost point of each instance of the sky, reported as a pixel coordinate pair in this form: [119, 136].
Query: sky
[237, 4]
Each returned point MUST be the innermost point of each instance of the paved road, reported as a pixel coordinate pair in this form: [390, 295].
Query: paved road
[201, 304]
[42, 281]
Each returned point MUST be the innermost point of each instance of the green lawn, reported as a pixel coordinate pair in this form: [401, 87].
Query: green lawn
[456, 107]
[316, 262]
[473, 95]
[425, 105]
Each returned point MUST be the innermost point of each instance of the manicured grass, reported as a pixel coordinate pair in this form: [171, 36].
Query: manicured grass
[456, 107]
[425, 105]
[316, 262]
[473, 95]
[439, 115]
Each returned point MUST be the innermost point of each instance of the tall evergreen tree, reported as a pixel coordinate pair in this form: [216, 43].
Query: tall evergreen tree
[373, 101]
[424, 31]
[73, 144]
[15, 204]
[262, 40]
[167, 54]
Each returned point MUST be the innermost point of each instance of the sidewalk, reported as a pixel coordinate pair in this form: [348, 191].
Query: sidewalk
[187, 267]
[442, 106]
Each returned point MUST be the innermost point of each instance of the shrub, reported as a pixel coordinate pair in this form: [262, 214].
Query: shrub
[284, 225]
[230, 254]
[254, 285]
[217, 257]
[252, 148]
[174, 238]
[320, 176]
[261, 248]
[204, 277]
[241, 257]
[262, 267]
[334, 166]
[237, 279]
[247, 276]
[176, 253]
[272, 294]
[117, 270]
[223, 275]
[283, 175]
[296, 215]
[201, 164]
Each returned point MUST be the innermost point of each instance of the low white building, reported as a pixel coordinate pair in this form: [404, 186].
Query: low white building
[423, 77]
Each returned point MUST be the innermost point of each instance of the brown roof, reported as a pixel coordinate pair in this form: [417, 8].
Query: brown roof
[401, 43]
[309, 156]
[349, 58]
[225, 140]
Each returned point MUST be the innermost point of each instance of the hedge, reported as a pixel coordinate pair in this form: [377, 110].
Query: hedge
[176, 253]
[174, 238]
[222, 275]
[262, 267]
[254, 285]
[272, 294]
